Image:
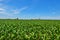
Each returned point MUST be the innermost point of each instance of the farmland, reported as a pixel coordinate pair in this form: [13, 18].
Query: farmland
[29, 29]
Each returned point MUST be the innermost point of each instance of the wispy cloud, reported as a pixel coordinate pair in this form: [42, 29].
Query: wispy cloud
[23, 8]
[10, 11]
[2, 10]
[17, 11]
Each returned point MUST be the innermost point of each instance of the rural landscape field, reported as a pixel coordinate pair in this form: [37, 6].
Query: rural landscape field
[29, 29]
[29, 19]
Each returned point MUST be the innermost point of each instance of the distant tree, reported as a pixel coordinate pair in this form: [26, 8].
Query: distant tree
[39, 18]
[17, 18]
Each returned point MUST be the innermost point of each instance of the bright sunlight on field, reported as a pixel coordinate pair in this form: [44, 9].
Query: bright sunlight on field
[29, 29]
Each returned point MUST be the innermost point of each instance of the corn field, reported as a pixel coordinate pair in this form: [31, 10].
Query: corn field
[29, 29]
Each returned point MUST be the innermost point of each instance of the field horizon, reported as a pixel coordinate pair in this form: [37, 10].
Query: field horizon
[25, 19]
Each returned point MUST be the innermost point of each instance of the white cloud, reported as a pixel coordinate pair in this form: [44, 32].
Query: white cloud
[23, 8]
[17, 11]
[8, 11]
[1, 9]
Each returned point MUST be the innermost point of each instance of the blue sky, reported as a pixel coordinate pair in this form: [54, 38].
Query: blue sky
[30, 9]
